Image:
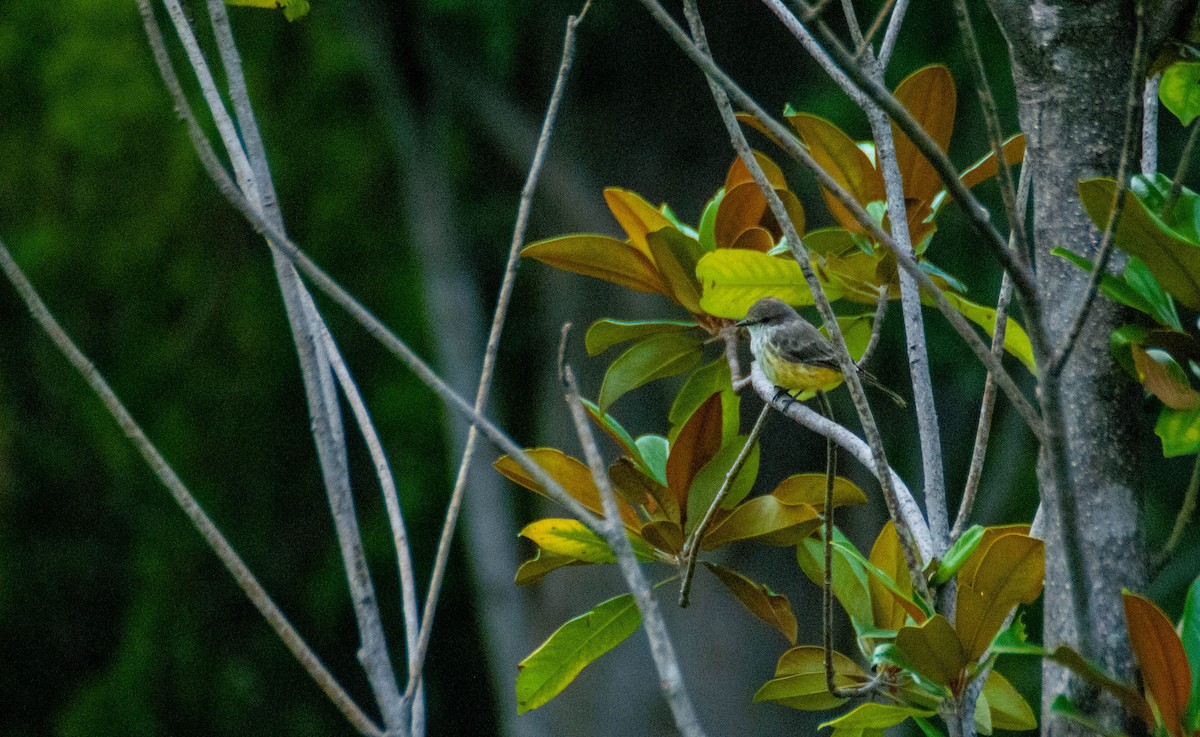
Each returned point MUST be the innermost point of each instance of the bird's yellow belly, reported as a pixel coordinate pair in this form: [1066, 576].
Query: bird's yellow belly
[799, 377]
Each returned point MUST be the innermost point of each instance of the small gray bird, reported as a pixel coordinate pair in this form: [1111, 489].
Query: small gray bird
[793, 354]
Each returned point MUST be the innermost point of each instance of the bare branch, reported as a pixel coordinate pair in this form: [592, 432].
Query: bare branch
[208, 530]
[493, 342]
[691, 547]
[893, 33]
[665, 661]
[1150, 125]
[881, 307]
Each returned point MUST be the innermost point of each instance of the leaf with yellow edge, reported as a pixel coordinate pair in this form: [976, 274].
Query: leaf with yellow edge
[770, 607]
[1016, 341]
[536, 568]
[602, 257]
[839, 155]
[571, 474]
[733, 279]
[872, 717]
[676, 255]
[1161, 657]
[1009, 573]
[292, 9]
[934, 651]
[1007, 707]
[929, 95]
[765, 518]
[636, 216]
[607, 332]
[888, 557]
[741, 208]
[799, 680]
[809, 488]
[738, 173]
[966, 571]
[570, 538]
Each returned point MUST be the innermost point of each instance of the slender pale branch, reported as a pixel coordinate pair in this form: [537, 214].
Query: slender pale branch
[800, 253]
[1150, 125]
[875, 26]
[893, 32]
[881, 308]
[795, 149]
[208, 530]
[1100, 263]
[691, 547]
[665, 661]
[493, 343]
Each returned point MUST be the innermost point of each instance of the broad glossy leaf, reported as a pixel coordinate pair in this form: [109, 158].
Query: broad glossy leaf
[1147, 297]
[762, 602]
[734, 279]
[702, 384]
[1179, 90]
[985, 168]
[1179, 430]
[765, 518]
[1189, 635]
[849, 578]
[656, 357]
[872, 716]
[1162, 307]
[1174, 261]
[1184, 216]
[711, 478]
[607, 332]
[676, 255]
[739, 173]
[888, 557]
[665, 535]
[536, 568]
[571, 474]
[983, 716]
[1016, 342]
[929, 95]
[1008, 708]
[654, 450]
[637, 486]
[809, 488]
[957, 554]
[933, 650]
[698, 441]
[636, 216]
[915, 608]
[571, 538]
[1009, 573]
[292, 9]
[706, 232]
[799, 680]
[990, 535]
[1164, 378]
[552, 667]
[602, 257]
[613, 429]
[837, 154]
[756, 238]
[1129, 698]
[1161, 657]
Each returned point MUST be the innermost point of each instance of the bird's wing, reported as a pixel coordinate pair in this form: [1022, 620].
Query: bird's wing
[808, 347]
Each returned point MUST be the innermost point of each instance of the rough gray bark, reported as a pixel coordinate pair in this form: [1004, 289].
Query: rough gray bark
[1071, 66]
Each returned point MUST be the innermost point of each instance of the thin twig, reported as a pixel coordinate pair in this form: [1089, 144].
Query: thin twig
[493, 343]
[1185, 515]
[327, 430]
[875, 26]
[208, 530]
[893, 33]
[856, 34]
[691, 547]
[905, 261]
[665, 661]
[1185, 161]
[1150, 125]
[987, 403]
[1100, 264]
[881, 307]
[912, 554]
[729, 334]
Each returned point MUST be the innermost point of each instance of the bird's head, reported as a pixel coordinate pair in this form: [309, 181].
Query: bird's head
[768, 312]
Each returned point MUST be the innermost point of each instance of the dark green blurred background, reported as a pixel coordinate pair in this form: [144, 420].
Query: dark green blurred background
[399, 135]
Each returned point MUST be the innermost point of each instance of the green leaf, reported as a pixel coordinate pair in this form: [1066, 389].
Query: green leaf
[849, 577]
[1179, 430]
[1175, 262]
[699, 386]
[1067, 709]
[1014, 641]
[613, 429]
[799, 680]
[1016, 342]
[708, 220]
[765, 518]
[957, 554]
[711, 477]
[696, 444]
[1129, 698]
[656, 357]
[1162, 307]
[732, 279]
[536, 568]
[552, 667]
[607, 332]
[770, 607]
[676, 256]
[654, 450]
[927, 727]
[1008, 708]
[933, 649]
[1179, 90]
[1190, 636]
[873, 716]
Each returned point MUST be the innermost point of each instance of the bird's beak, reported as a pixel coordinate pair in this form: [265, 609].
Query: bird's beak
[743, 323]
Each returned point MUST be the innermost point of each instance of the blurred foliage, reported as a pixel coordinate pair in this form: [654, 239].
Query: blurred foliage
[114, 618]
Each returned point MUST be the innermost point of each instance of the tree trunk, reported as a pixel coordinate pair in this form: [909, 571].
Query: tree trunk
[1071, 65]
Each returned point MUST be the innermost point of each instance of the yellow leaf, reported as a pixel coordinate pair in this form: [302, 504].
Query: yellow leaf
[1162, 659]
[1008, 708]
[569, 538]
[733, 279]
[602, 257]
[1009, 572]
[809, 488]
[739, 174]
[845, 162]
[934, 651]
[636, 216]
[929, 95]
[887, 556]
[799, 680]
[571, 474]
[1016, 341]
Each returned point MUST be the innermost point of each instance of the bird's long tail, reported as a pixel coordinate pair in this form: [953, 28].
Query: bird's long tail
[869, 378]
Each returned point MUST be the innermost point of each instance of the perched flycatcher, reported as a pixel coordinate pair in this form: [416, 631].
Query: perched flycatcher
[793, 354]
